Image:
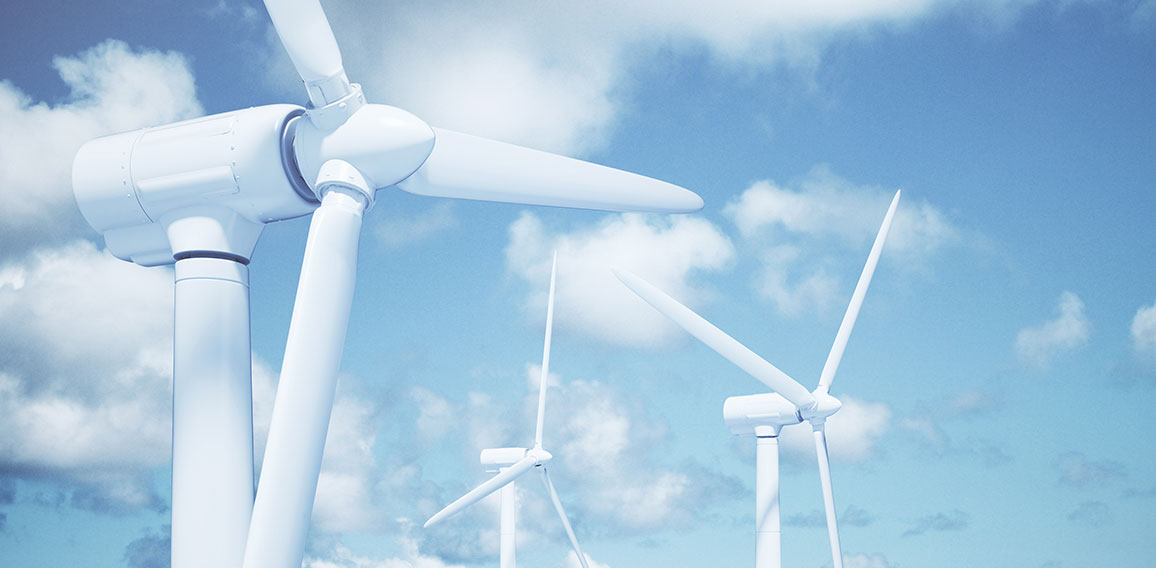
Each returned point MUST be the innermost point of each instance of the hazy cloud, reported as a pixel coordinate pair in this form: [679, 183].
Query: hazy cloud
[396, 230]
[1037, 345]
[152, 550]
[1092, 513]
[1078, 471]
[951, 521]
[851, 516]
[813, 236]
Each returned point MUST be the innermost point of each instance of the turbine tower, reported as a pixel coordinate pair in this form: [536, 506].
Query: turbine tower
[512, 463]
[764, 415]
[198, 193]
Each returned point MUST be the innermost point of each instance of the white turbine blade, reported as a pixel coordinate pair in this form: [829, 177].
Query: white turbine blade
[562, 515]
[836, 353]
[546, 355]
[304, 31]
[304, 400]
[828, 494]
[482, 491]
[469, 167]
[722, 343]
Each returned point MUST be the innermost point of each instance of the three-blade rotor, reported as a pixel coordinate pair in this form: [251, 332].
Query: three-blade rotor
[815, 406]
[535, 457]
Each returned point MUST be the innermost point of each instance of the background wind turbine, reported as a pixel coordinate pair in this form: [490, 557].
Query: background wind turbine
[198, 194]
[764, 415]
[512, 463]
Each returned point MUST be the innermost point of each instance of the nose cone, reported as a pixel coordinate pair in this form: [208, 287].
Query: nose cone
[386, 144]
[825, 405]
[542, 456]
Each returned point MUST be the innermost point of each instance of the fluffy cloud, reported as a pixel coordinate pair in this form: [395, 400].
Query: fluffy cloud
[667, 251]
[826, 224]
[1144, 331]
[112, 88]
[85, 390]
[1037, 345]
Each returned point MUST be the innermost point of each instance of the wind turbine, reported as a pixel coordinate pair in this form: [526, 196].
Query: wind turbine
[764, 415]
[198, 193]
[512, 463]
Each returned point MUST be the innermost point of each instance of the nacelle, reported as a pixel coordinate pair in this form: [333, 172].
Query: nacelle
[497, 458]
[759, 414]
[203, 187]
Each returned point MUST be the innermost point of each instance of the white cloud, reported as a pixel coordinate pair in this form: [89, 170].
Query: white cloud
[667, 251]
[85, 388]
[1144, 331]
[853, 433]
[112, 88]
[826, 224]
[1037, 345]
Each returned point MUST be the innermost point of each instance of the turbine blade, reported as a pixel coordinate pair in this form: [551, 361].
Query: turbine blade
[304, 31]
[304, 401]
[828, 494]
[836, 353]
[546, 355]
[722, 343]
[469, 167]
[482, 491]
[562, 515]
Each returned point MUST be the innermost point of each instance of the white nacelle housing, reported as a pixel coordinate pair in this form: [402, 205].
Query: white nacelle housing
[200, 187]
[759, 414]
[496, 458]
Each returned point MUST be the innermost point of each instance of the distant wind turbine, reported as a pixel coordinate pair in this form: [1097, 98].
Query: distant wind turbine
[512, 463]
[764, 415]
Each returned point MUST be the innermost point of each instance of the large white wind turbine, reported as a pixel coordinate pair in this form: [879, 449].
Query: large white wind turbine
[512, 463]
[198, 193]
[764, 415]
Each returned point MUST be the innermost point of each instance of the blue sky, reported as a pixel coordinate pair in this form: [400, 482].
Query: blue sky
[998, 385]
